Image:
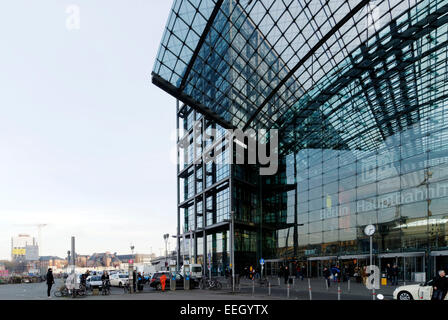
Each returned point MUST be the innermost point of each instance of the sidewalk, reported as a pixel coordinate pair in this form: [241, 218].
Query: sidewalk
[300, 289]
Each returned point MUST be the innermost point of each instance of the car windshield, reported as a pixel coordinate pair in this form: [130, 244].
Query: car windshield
[96, 278]
[196, 269]
[123, 276]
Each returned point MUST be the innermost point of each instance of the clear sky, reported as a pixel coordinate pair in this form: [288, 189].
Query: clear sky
[86, 140]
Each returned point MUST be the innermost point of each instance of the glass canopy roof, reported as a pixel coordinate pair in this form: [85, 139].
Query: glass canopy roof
[326, 73]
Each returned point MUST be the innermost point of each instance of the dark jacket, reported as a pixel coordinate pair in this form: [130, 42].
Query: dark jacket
[50, 278]
[326, 273]
[440, 283]
[395, 271]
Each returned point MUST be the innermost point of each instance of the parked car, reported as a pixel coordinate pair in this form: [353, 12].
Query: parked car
[195, 270]
[94, 282]
[422, 291]
[156, 284]
[118, 279]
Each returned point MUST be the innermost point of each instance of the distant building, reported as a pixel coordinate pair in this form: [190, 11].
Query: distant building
[24, 248]
[52, 261]
[81, 260]
[105, 259]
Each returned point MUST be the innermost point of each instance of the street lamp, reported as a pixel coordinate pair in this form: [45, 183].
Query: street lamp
[177, 252]
[232, 248]
[369, 230]
[166, 236]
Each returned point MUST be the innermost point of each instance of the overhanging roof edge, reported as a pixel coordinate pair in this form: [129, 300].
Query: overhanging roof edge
[180, 95]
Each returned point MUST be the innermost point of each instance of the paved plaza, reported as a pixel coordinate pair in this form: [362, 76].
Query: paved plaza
[246, 290]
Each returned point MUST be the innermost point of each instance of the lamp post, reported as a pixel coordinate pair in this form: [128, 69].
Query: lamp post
[369, 230]
[166, 237]
[177, 252]
[232, 248]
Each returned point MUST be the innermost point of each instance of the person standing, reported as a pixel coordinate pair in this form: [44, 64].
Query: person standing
[326, 273]
[389, 273]
[440, 286]
[139, 282]
[286, 274]
[395, 275]
[50, 282]
[134, 279]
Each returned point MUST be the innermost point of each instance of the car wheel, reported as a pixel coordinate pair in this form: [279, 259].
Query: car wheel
[404, 295]
[120, 285]
[159, 286]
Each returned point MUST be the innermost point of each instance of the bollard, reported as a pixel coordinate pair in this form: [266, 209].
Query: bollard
[269, 290]
[339, 291]
[326, 283]
[349, 284]
[253, 286]
[279, 282]
[293, 282]
[287, 291]
[309, 288]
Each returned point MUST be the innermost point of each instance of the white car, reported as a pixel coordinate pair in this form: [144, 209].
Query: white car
[422, 291]
[118, 279]
[94, 282]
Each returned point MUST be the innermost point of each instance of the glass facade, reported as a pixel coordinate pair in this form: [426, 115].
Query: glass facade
[358, 93]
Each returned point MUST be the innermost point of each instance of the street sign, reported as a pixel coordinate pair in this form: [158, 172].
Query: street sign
[262, 261]
[131, 261]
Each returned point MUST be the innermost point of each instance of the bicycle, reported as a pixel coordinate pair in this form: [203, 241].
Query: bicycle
[263, 282]
[210, 284]
[126, 288]
[61, 292]
[106, 288]
[81, 292]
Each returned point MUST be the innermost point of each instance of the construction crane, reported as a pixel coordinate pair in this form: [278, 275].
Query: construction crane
[39, 233]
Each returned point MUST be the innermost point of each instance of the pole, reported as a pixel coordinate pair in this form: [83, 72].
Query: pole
[339, 291]
[269, 290]
[232, 248]
[371, 266]
[287, 290]
[253, 286]
[73, 262]
[309, 288]
[348, 284]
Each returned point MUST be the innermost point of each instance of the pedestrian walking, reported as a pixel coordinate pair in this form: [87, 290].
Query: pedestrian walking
[364, 275]
[335, 272]
[326, 273]
[163, 282]
[50, 282]
[440, 286]
[280, 272]
[300, 272]
[345, 273]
